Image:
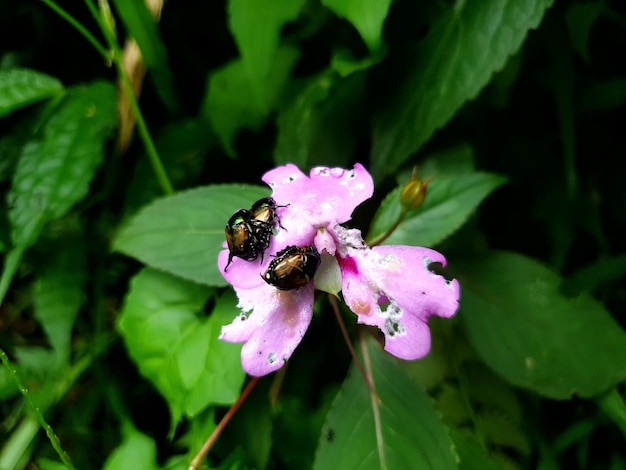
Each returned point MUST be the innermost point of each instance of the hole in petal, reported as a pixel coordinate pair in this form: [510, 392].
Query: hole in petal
[388, 308]
[394, 327]
[437, 268]
[271, 358]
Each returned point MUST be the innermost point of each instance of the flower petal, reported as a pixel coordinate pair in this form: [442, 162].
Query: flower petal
[328, 195]
[403, 273]
[391, 287]
[272, 324]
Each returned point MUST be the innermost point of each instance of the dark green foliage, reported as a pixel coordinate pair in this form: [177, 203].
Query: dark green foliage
[111, 301]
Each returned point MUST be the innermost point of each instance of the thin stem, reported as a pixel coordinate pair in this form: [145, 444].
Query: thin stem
[378, 240]
[54, 440]
[11, 263]
[144, 133]
[199, 457]
[376, 402]
[346, 337]
[79, 27]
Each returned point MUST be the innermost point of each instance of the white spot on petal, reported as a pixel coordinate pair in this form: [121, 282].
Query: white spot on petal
[394, 328]
[271, 358]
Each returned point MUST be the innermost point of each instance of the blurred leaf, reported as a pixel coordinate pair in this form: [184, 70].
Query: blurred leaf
[346, 64]
[580, 17]
[231, 104]
[605, 95]
[450, 201]
[136, 451]
[470, 396]
[472, 455]
[319, 125]
[588, 278]
[47, 464]
[143, 28]
[464, 47]
[256, 26]
[455, 160]
[614, 405]
[183, 234]
[411, 432]
[182, 146]
[58, 293]
[56, 168]
[367, 17]
[10, 147]
[534, 337]
[7, 385]
[175, 348]
[200, 427]
[21, 87]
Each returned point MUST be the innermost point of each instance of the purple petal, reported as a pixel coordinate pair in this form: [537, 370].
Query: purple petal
[402, 272]
[392, 288]
[329, 195]
[272, 324]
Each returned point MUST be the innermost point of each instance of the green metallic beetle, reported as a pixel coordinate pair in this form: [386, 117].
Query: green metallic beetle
[293, 267]
[248, 232]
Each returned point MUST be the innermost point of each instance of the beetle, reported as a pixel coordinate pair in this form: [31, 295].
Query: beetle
[293, 267]
[248, 232]
[241, 238]
[264, 210]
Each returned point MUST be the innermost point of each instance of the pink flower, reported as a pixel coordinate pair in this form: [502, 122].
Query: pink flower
[390, 287]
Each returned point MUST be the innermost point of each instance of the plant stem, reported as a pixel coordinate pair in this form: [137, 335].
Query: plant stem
[79, 27]
[54, 440]
[144, 133]
[376, 402]
[199, 457]
[346, 337]
[384, 236]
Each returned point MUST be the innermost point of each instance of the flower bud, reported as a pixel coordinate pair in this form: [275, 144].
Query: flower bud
[414, 192]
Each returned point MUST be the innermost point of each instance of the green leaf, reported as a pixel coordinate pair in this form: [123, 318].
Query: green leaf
[143, 28]
[410, 433]
[177, 349]
[472, 454]
[367, 17]
[604, 95]
[465, 46]
[580, 18]
[183, 234]
[56, 168]
[58, 293]
[21, 87]
[526, 331]
[256, 26]
[231, 104]
[319, 124]
[344, 62]
[451, 199]
[602, 271]
[47, 464]
[182, 146]
[136, 451]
